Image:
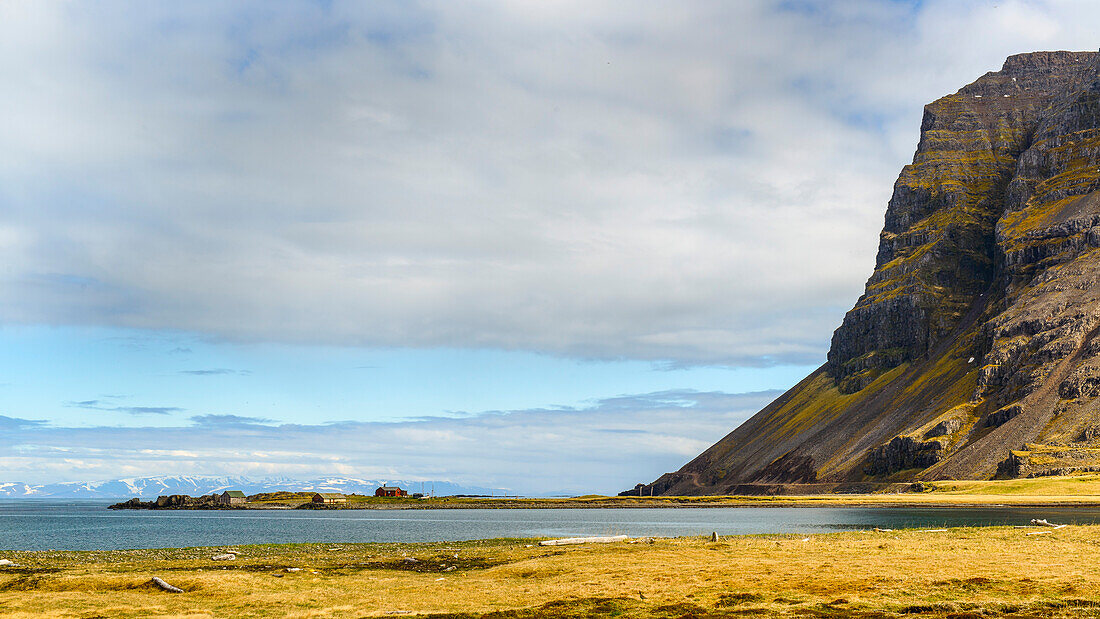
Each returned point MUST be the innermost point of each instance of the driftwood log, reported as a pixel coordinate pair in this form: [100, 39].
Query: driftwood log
[163, 585]
[583, 540]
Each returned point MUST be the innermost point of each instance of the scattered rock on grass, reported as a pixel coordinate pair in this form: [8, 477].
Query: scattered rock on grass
[156, 580]
[224, 557]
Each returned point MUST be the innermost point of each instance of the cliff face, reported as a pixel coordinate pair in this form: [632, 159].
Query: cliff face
[973, 349]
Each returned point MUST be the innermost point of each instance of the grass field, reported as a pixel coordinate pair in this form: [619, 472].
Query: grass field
[964, 572]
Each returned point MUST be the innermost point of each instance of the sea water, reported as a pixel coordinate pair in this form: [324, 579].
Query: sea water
[40, 524]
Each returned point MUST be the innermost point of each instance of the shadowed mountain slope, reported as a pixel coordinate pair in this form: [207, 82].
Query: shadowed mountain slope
[973, 351]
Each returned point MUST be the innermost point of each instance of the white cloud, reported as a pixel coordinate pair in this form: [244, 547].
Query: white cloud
[606, 447]
[695, 182]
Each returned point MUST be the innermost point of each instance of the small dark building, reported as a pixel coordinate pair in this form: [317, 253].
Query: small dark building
[329, 498]
[390, 491]
[232, 497]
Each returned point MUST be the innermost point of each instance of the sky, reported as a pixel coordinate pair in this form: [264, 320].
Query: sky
[554, 247]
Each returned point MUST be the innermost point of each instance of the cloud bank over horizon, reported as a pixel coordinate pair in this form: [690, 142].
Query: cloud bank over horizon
[605, 447]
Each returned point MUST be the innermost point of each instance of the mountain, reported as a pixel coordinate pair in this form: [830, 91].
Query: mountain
[973, 351]
[151, 487]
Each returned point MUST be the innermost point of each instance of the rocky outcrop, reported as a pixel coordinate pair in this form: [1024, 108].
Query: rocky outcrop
[1015, 465]
[1046, 460]
[1003, 416]
[984, 305]
[905, 452]
[175, 501]
[944, 428]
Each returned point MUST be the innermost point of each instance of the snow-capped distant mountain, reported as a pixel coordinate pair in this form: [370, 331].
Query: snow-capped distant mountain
[151, 487]
[16, 489]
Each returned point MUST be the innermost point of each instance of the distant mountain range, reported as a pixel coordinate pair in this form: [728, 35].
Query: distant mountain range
[151, 487]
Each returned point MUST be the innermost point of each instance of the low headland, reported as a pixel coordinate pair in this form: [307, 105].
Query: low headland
[1075, 490]
[959, 572]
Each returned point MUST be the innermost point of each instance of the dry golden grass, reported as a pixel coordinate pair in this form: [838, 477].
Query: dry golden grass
[963, 572]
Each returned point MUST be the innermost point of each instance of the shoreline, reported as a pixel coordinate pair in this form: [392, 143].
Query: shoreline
[1057, 491]
[779, 501]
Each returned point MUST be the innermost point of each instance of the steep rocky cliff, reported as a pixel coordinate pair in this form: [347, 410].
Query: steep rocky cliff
[973, 351]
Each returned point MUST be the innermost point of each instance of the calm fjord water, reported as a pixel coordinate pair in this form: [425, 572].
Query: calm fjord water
[28, 524]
